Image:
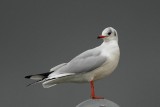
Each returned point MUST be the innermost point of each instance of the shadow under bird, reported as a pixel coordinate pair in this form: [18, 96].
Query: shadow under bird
[88, 66]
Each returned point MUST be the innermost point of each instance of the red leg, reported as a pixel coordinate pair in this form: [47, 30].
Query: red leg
[93, 92]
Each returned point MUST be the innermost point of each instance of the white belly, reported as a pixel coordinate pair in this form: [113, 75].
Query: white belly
[101, 72]
[105, 70]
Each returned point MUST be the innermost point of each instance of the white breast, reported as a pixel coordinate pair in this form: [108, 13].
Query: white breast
[112, 53]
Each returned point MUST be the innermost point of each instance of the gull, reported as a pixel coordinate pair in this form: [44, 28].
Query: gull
[89, 66]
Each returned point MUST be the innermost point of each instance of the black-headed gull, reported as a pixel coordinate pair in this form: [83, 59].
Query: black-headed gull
[89, 66]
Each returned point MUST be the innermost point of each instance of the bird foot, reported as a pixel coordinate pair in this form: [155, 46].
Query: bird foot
[97, 97]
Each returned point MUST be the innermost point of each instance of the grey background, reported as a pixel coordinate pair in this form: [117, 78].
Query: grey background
[36, 35]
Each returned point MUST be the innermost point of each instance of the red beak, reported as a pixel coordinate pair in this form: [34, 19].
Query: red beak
[101, 36]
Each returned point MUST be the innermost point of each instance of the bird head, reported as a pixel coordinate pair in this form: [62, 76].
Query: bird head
[108, 34]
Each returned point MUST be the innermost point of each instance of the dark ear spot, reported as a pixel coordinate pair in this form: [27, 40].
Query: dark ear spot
[115, 33]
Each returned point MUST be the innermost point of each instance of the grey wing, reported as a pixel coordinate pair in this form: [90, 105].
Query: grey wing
[84, 65]
[85, 62]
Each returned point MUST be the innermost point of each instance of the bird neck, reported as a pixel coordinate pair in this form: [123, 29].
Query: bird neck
[110, 43]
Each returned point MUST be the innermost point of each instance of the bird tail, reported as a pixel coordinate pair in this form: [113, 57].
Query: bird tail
[38, 77]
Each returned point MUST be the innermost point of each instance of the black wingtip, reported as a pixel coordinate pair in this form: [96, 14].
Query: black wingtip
[33, 83]
[28, 77]
[29, 84]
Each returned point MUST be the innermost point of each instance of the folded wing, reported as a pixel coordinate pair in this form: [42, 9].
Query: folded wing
[83, 63]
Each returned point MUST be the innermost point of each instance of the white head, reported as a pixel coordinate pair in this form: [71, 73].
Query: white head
[108, 34]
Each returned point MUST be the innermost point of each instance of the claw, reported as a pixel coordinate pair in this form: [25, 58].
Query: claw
[97, 97]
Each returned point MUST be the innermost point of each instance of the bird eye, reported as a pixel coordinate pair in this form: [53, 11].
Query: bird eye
[109, 33]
